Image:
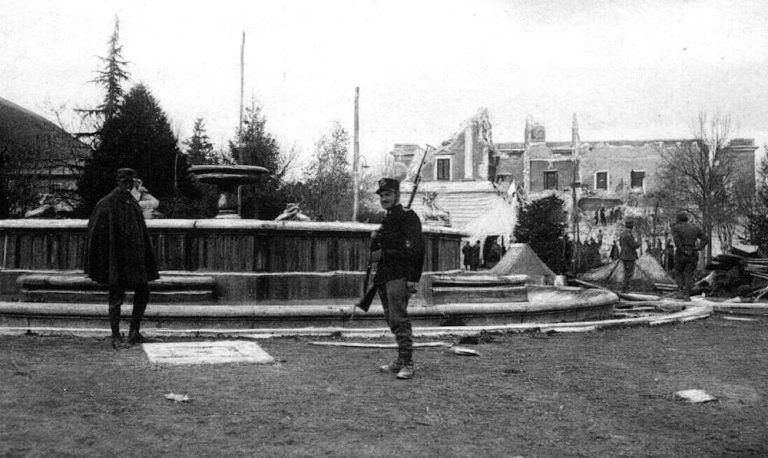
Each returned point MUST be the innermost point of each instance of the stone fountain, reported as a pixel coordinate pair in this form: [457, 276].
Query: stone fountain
[227, 178]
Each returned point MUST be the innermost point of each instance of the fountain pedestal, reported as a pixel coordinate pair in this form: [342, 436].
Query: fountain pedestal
[227, 178]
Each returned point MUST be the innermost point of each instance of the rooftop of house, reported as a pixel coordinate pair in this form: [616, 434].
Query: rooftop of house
[29, 133]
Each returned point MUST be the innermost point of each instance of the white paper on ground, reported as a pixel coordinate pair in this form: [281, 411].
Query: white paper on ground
[695, 396]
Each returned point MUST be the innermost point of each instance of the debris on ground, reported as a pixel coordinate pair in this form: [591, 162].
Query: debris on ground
[737, 318]
[695, 396]
[464, 351]
[178, 397]
[378, 345]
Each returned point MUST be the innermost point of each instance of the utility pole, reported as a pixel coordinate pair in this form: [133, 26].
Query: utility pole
[356, 157]
[242, 85]
[240, 124]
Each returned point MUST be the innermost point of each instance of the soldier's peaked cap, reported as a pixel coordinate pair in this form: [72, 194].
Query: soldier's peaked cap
[388, 184]
[126, 174]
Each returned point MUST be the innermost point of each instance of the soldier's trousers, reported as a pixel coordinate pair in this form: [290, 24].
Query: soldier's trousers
[394, 296]
[685, 265]
[116, 299]
[629, 271]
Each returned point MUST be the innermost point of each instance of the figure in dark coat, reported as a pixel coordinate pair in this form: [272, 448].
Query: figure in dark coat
[466, 251]
[119, 254]
[628, 255]
[474, 261]
[400, 259]
[689, 240]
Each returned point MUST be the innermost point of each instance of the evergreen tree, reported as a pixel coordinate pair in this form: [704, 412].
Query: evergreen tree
[113, 75]
[138, 136]
[541, 224]
[328, 179]
[199, 148]
[255, 146]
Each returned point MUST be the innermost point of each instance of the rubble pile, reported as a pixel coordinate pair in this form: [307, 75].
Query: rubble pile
[740, 272]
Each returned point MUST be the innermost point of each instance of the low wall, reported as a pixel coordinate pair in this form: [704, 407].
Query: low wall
[242, 248]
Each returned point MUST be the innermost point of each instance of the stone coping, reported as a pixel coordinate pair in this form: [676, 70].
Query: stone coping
[222, 224]
[686, 314]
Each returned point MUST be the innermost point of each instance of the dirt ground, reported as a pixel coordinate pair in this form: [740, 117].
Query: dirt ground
[598, 394]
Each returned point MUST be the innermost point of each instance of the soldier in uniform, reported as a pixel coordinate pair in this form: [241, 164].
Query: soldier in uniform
[628, 254]
[119, 254]
[689, 240]
[400, 258]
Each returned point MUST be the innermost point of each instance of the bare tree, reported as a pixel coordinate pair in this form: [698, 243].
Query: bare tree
[698, 177]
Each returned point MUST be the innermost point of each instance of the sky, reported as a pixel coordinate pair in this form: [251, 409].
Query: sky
[630, 69]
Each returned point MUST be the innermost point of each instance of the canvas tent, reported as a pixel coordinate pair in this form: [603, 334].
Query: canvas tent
[647, 272]
[521, 259]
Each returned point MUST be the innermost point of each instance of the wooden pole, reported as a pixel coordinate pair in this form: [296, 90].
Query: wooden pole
[242, 85]
[356, 158]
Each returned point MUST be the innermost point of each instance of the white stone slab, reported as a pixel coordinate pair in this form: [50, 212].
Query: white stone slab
[695, 396]
[216, 352]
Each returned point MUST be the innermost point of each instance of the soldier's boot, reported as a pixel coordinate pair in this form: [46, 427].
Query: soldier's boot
[407, 371]
[114, 324]
[118, 343]
[394, 367]
[134, 336]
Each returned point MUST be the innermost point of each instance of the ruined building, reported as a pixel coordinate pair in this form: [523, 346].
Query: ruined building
[469, 172]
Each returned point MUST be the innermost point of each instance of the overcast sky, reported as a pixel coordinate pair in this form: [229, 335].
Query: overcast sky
[630, 69]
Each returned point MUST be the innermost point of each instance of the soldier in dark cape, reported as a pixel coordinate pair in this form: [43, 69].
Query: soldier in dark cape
[119, 254]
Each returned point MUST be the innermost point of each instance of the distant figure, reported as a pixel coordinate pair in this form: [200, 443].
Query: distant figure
[602, 216]
[567, 254]
[292, 213]
[494, 254]
[466, 251]
[475, 258]
[689, 240]
[597, 217]
[599, 238]
[119, 254]
[669, 249]
[614, 251]
[628, 255]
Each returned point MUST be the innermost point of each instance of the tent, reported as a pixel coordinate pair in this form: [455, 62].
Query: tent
[521, 259]
[647, 272]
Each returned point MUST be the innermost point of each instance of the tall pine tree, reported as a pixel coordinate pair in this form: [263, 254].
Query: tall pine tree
[199, 147]
[113, 75]
[256, 146]
[137, 136]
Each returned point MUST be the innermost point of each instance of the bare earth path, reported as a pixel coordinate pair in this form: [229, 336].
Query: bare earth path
[597, 394]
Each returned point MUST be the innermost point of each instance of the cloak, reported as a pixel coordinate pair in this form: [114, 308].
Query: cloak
[118, 250]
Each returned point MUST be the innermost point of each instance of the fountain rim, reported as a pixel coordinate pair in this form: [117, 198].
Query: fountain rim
[221, 224]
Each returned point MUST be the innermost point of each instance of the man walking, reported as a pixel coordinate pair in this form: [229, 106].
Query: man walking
[689, 240]
[400, 261]
[119, 254]
[628, 254]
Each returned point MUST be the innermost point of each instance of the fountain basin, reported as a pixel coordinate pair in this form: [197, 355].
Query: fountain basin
[227, 178]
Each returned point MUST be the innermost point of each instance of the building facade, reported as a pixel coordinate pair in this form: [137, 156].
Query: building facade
[469, 172]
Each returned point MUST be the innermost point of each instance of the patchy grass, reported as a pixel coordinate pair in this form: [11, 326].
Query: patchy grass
[598, 394]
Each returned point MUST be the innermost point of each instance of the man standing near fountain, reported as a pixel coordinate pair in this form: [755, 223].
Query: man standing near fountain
[119, 254]
[689, 240]
[628, 255]
[400, 259]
